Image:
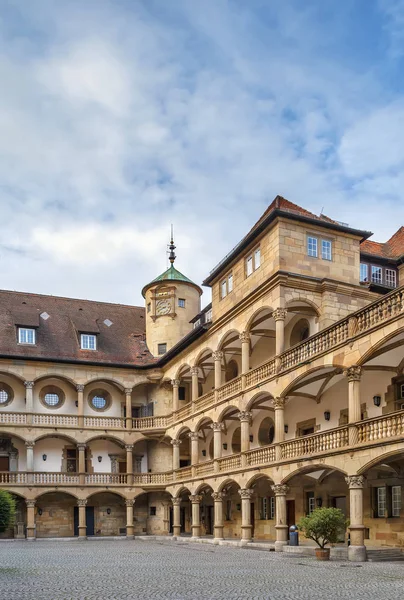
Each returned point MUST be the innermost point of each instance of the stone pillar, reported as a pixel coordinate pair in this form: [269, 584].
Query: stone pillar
[129, 518]
[279, 406]
[80, 404]
[353, 375]
[29, 400]
[245, 420]
[82, 463]
[279, 316]
[176, 401]
[194, 437]
[246, 527]
[30, 519]
[176, 516]
[218, 500]
[196, 515]
[218, 357]
[176, 454]
[194, 384]
[217, 439]
[30, 460]
[245, 352]
[281, 526]
[357, 548]
[82, 518]
[128, 406]
[129, 463]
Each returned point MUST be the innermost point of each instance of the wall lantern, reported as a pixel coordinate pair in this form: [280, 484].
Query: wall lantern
[108, 511]
[319, 502]
[327, 415]
[203, 452]
[377, 400]
[224, 446]
[39, 511]
[99, 458]
[44, 456]
[286, 428]
[251, 438]
[76, 403]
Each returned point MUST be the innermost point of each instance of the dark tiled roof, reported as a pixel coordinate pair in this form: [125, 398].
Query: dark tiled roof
[392, 249]
[58, 336]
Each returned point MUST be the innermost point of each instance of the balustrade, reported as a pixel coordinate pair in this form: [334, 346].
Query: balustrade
[260, 456]
[106, 478]
[230, 388]
[316, 443]
[64, 420]
[104, 422]
[52, 478]
[13, 478]
[204, 468]
[228, 463]
[13, 418]
[381, 428]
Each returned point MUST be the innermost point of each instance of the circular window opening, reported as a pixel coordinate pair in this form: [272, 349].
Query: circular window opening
[3, 397]
[99, 402]
[52, 396]
[51, 399]
[6, 394]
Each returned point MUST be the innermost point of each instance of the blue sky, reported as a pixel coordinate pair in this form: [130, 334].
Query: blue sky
[120, 117]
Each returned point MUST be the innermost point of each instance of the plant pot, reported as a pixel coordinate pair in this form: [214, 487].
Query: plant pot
[323, 553]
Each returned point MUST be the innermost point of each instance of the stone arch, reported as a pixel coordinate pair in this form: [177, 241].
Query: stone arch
[303, 300]
[310, 468]
[228, 336]
[185, 367]
[264, 310]
[202, 421]
[12, 434]
[379, 345]
[307, 375]
[232, 409]
[109, 381]
[379, 459]
[63, 436]
[255, 400]
[181, 431]
[108, 491]
[59, 490]
[205, 352]
[109, 437]
[60, 376]
[182, 490]
[227, 483]
[203, 486]
[12, 376]
[256, 478]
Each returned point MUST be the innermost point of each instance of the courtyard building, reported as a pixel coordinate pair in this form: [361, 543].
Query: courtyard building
[286, 393]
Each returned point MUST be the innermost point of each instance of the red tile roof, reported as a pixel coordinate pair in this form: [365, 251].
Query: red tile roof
[58, 336]
[392, 249]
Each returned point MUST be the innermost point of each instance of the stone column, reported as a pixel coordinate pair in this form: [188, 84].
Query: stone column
[245, 421]
[281, 526]
[218, 357]
[218, 500]
[129, 463]
[82, 462]
[194, 384]
[30, 519]
[357, 548]
[176, 516]
[128, 405]
[194, 437]
[246, 527]
[279, 316]
[196, 515]
[80, 404]
[82, 519]
[279, 406]
[176, 454]
[245, 352]
[217, 439]
[29, 400]
[353, 375]
[30, 460]
[129, 518]
[176, 401]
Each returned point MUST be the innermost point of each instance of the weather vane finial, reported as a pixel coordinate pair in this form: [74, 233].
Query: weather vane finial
[171, 256]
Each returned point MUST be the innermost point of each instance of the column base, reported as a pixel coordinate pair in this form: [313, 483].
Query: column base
[176, 531]
[31, 538]
[279, 546]
[130, 536]
[245, 541]
[357, 553]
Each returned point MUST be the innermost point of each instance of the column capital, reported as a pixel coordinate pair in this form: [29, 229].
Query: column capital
[128, 391]
[218, 496]
[175, 382]
[246, 493]
[176, 443]
[80, 387]
[245, 415]
[129, 447]
[217, 426]
[195, 498]
[218, 355]
[355, 482]
[30, 444]
[353, 373]
[279, 314]
[194, 371]
[244, 336]
[280, 489]
[30, 503]
[129, 502]
[82, 502]
[81, 447]
[193, 436]
[176, 501]
[279, 401]
[29, 384]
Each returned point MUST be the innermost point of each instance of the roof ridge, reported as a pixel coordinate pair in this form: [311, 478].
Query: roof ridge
[36, 295]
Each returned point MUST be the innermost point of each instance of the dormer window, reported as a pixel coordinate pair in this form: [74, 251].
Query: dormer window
[88, 341]
[26, 336]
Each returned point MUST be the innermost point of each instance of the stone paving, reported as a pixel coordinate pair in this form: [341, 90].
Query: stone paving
[107, 569]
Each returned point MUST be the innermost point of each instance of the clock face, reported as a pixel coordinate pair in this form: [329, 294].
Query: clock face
[163, 307]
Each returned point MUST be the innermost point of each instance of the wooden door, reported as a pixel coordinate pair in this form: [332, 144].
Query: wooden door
[122, 466]
[252, 517]
[4, 463]
[290, 513]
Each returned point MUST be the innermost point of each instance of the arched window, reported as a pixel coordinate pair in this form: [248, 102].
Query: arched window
[300, 332]
[231, 370]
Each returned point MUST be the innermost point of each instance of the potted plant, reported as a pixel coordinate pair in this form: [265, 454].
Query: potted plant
[324, 526]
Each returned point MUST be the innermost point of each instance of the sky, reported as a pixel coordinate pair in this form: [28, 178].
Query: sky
[119, 118]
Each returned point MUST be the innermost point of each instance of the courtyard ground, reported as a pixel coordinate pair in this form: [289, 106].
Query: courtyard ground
[108, 569]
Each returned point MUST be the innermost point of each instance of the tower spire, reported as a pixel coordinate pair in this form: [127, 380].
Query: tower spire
[171, 256]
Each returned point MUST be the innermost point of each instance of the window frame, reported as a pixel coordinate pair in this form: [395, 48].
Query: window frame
[366, 265]
[314, 246]
[181, 302]
[381, 502]
[396, 502]
[225, 288]
[324, 255]
[373, 269]
[88, 336]
[251, 264]
[387, 273]
[30, 330]
[159, 353]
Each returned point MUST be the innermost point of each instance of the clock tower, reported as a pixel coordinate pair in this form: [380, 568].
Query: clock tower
[172, 300]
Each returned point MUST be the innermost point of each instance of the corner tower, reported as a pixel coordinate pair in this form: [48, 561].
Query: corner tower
[172, 300]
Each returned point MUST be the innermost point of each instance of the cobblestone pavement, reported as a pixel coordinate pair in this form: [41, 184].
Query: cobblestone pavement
[151, 569]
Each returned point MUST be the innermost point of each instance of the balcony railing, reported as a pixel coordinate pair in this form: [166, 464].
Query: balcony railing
[381, 428]
[64, 420]
[13, 418]
[315, 443]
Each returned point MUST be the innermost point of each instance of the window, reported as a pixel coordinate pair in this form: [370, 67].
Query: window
[395, 500]
[391, 278]
[153, 511]
[312, 246]
[208, 315]
[99, 402]
[268, 508]
[161, 349]
[181, 302]
[88, 341]
[311, 502]
[223, 289]
[272, 507]
[149, 307]
[197, 323]
[230, 283]
[71, 460]
[253, 262]
[376, 274]
[26, 336]
[3, 397]
[181, 392]
[6, 394]
[402, 391]
[226, 286]
[326, 250]
[51, 399]
[249, 265]
[381, 502]
[264, 509]
[364, 272]
[227, 516]
[257, 258]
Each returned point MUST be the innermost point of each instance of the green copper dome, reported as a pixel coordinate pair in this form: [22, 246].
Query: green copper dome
[172, 274]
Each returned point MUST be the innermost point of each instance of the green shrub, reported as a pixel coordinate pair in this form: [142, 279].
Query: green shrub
[7, 510]
[323, 525]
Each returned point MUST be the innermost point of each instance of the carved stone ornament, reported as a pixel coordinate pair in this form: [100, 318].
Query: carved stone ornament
[246, 494]
[30, 445]
[129, 502]
[279, 402]
[176, 501]
[218, 355]
[194, 370]
[353, 373]
[80, 387]
[279, 314]
[355, 482]
[245, 415]
[30, 503]
[193, 436]
[175, 382]
[29, 384]
[217, 426]
[129, 447]
[81, 447]
[82, 502]
[280, 489]
[128, 391]
[218, 496]
[175, 442]
[195, 498]
[244, 336]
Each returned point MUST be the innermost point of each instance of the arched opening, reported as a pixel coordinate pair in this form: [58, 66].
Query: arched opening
[17, 529]
[262, 429]
[302, 321]
[236, 441]
[262, 508]
[231, 348]
[205, 442]
[185, 511]
[185, 387]
[56, 515]
[108, 511]
[300, 332]
[206, 372]
[185, 448]
[266, 431]
[231, 509]
[231, 370]
[231, 424]
[206, 507]
[262, 337]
